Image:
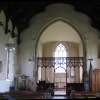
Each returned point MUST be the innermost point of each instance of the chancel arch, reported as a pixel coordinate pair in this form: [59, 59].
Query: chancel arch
[74, 62]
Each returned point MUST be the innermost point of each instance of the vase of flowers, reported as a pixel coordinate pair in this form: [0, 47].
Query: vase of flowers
[50, 90]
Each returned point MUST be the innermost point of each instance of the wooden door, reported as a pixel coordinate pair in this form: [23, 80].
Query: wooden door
[96, 80]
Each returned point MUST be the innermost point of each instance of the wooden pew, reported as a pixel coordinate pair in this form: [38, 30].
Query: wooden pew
[23, 95]
[85, 95]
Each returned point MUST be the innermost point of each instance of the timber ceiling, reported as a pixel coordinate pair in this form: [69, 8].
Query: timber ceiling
[21, 12]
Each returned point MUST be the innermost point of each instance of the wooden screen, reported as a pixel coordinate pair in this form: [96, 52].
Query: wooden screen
[96, 80]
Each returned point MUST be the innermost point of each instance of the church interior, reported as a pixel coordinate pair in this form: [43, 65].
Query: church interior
[49, 48]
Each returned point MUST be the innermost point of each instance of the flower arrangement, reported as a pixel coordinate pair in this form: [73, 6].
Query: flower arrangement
[50, 90]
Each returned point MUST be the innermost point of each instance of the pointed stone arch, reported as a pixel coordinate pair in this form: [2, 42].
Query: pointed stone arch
[74, 27]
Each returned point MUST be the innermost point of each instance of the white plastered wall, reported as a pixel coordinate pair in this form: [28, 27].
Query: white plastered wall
[3, 54]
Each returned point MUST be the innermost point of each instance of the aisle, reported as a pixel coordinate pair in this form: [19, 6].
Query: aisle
[59, 97]
[59, 92]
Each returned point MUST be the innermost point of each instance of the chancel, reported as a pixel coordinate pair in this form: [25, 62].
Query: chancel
[52, 49]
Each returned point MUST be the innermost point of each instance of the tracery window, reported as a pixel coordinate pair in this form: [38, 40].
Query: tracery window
[60, 51]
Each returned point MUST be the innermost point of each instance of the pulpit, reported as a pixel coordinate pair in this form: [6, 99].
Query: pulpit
[23, 82]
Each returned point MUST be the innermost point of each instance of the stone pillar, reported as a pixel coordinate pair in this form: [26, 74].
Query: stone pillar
[84, 66]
